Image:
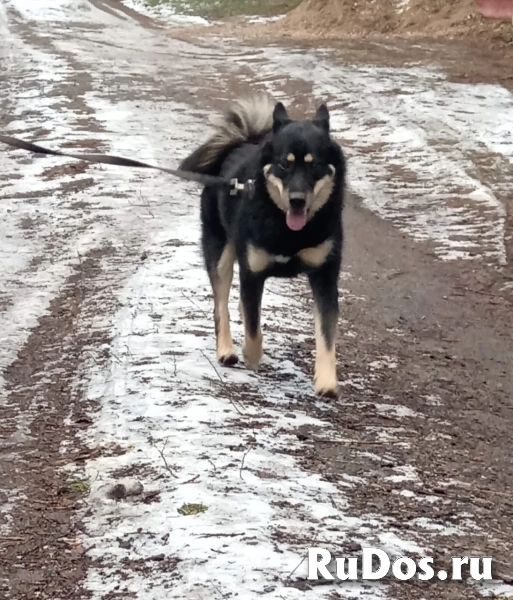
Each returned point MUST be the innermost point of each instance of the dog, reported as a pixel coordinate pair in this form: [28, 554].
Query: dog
[288, 223]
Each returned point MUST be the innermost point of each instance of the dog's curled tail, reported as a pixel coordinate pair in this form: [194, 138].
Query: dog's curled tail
[248, 119]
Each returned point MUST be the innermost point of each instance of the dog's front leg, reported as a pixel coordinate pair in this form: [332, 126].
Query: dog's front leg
[324, 283]
[251, 290]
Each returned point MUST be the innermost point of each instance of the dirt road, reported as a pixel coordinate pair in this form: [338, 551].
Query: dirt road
[107, 350]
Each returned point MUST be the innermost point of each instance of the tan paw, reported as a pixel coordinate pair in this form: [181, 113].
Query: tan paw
[326, 384]
[253, 352]
[228, 359]
[252, 362]
[331, 393]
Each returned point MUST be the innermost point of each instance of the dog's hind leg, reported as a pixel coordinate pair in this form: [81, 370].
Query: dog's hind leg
[251, 291]
[325, 292]
[219, 257]
[220, 269]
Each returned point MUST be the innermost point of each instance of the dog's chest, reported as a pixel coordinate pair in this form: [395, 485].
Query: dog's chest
[260, 260]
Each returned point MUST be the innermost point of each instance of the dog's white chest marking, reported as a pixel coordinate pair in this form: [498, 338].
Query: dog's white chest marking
[259, 259]
[282, 259]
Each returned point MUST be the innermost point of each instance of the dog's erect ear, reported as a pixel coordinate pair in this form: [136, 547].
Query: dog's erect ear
[322, 118]
[280, 117]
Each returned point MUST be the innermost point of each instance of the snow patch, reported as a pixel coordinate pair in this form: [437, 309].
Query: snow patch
[398, 411]
[167, 12]
[406, 473]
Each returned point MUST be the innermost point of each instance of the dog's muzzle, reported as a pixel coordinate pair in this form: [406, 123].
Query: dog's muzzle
[297, 200]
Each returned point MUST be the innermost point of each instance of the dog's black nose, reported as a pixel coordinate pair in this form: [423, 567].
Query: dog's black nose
[297, 200]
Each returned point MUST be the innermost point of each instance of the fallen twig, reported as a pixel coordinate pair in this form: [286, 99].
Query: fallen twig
[222, 382]
[194, 303]
[359, 442]
[211, 535]
[242, 461]
[214, 367]
[213, 465]
[483, 293]
[161, 452]
[192, 480]
[303, 559]
[219, 591]
[482, 489]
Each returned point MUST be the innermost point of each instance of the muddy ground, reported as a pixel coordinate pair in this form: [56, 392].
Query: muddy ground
[454, 351]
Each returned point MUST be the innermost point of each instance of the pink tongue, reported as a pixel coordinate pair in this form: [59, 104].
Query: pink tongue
[296, 220]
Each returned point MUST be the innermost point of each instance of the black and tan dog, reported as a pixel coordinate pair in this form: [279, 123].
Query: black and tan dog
[290, 223]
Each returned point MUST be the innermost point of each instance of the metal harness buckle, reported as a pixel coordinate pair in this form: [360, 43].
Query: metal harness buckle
[237, 187]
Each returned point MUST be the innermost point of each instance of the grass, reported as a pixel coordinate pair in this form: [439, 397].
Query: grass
[217, 9]
[192, 509]
[82, 487]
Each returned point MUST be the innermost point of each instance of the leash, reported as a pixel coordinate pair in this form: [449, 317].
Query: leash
[232, 184]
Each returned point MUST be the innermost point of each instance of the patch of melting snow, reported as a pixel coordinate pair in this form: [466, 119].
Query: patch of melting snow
[29, 300]
[39, 10]
[258, 20]
[402, 5]
[407, 473]
[167, 12]
[398, 410]
[357, 382]
[440, 528]
[9, 500]
[372, 456]
[493, 589]
[398, 546]
[411, 494]
[392, 435]
[433, 400]
[385, 362]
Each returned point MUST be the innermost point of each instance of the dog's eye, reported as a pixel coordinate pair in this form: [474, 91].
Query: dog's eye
[284, 164]
[317, 166]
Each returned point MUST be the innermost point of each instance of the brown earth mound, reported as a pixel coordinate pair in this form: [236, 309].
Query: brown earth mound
[438, 18]
[338, 19]
[341, 17]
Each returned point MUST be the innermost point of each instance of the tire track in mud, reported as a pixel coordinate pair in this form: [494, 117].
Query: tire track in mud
[49, 230]
[41, 553]
[53, 224]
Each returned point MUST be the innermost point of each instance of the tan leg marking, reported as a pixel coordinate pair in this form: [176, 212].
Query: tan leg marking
[258, 259]
[314, 257]
[222, 283]
[253, 346]
[326, 383]
[321, 192]
[253, 350]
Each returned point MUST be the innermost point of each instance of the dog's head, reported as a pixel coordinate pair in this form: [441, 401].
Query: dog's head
[298, 165]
